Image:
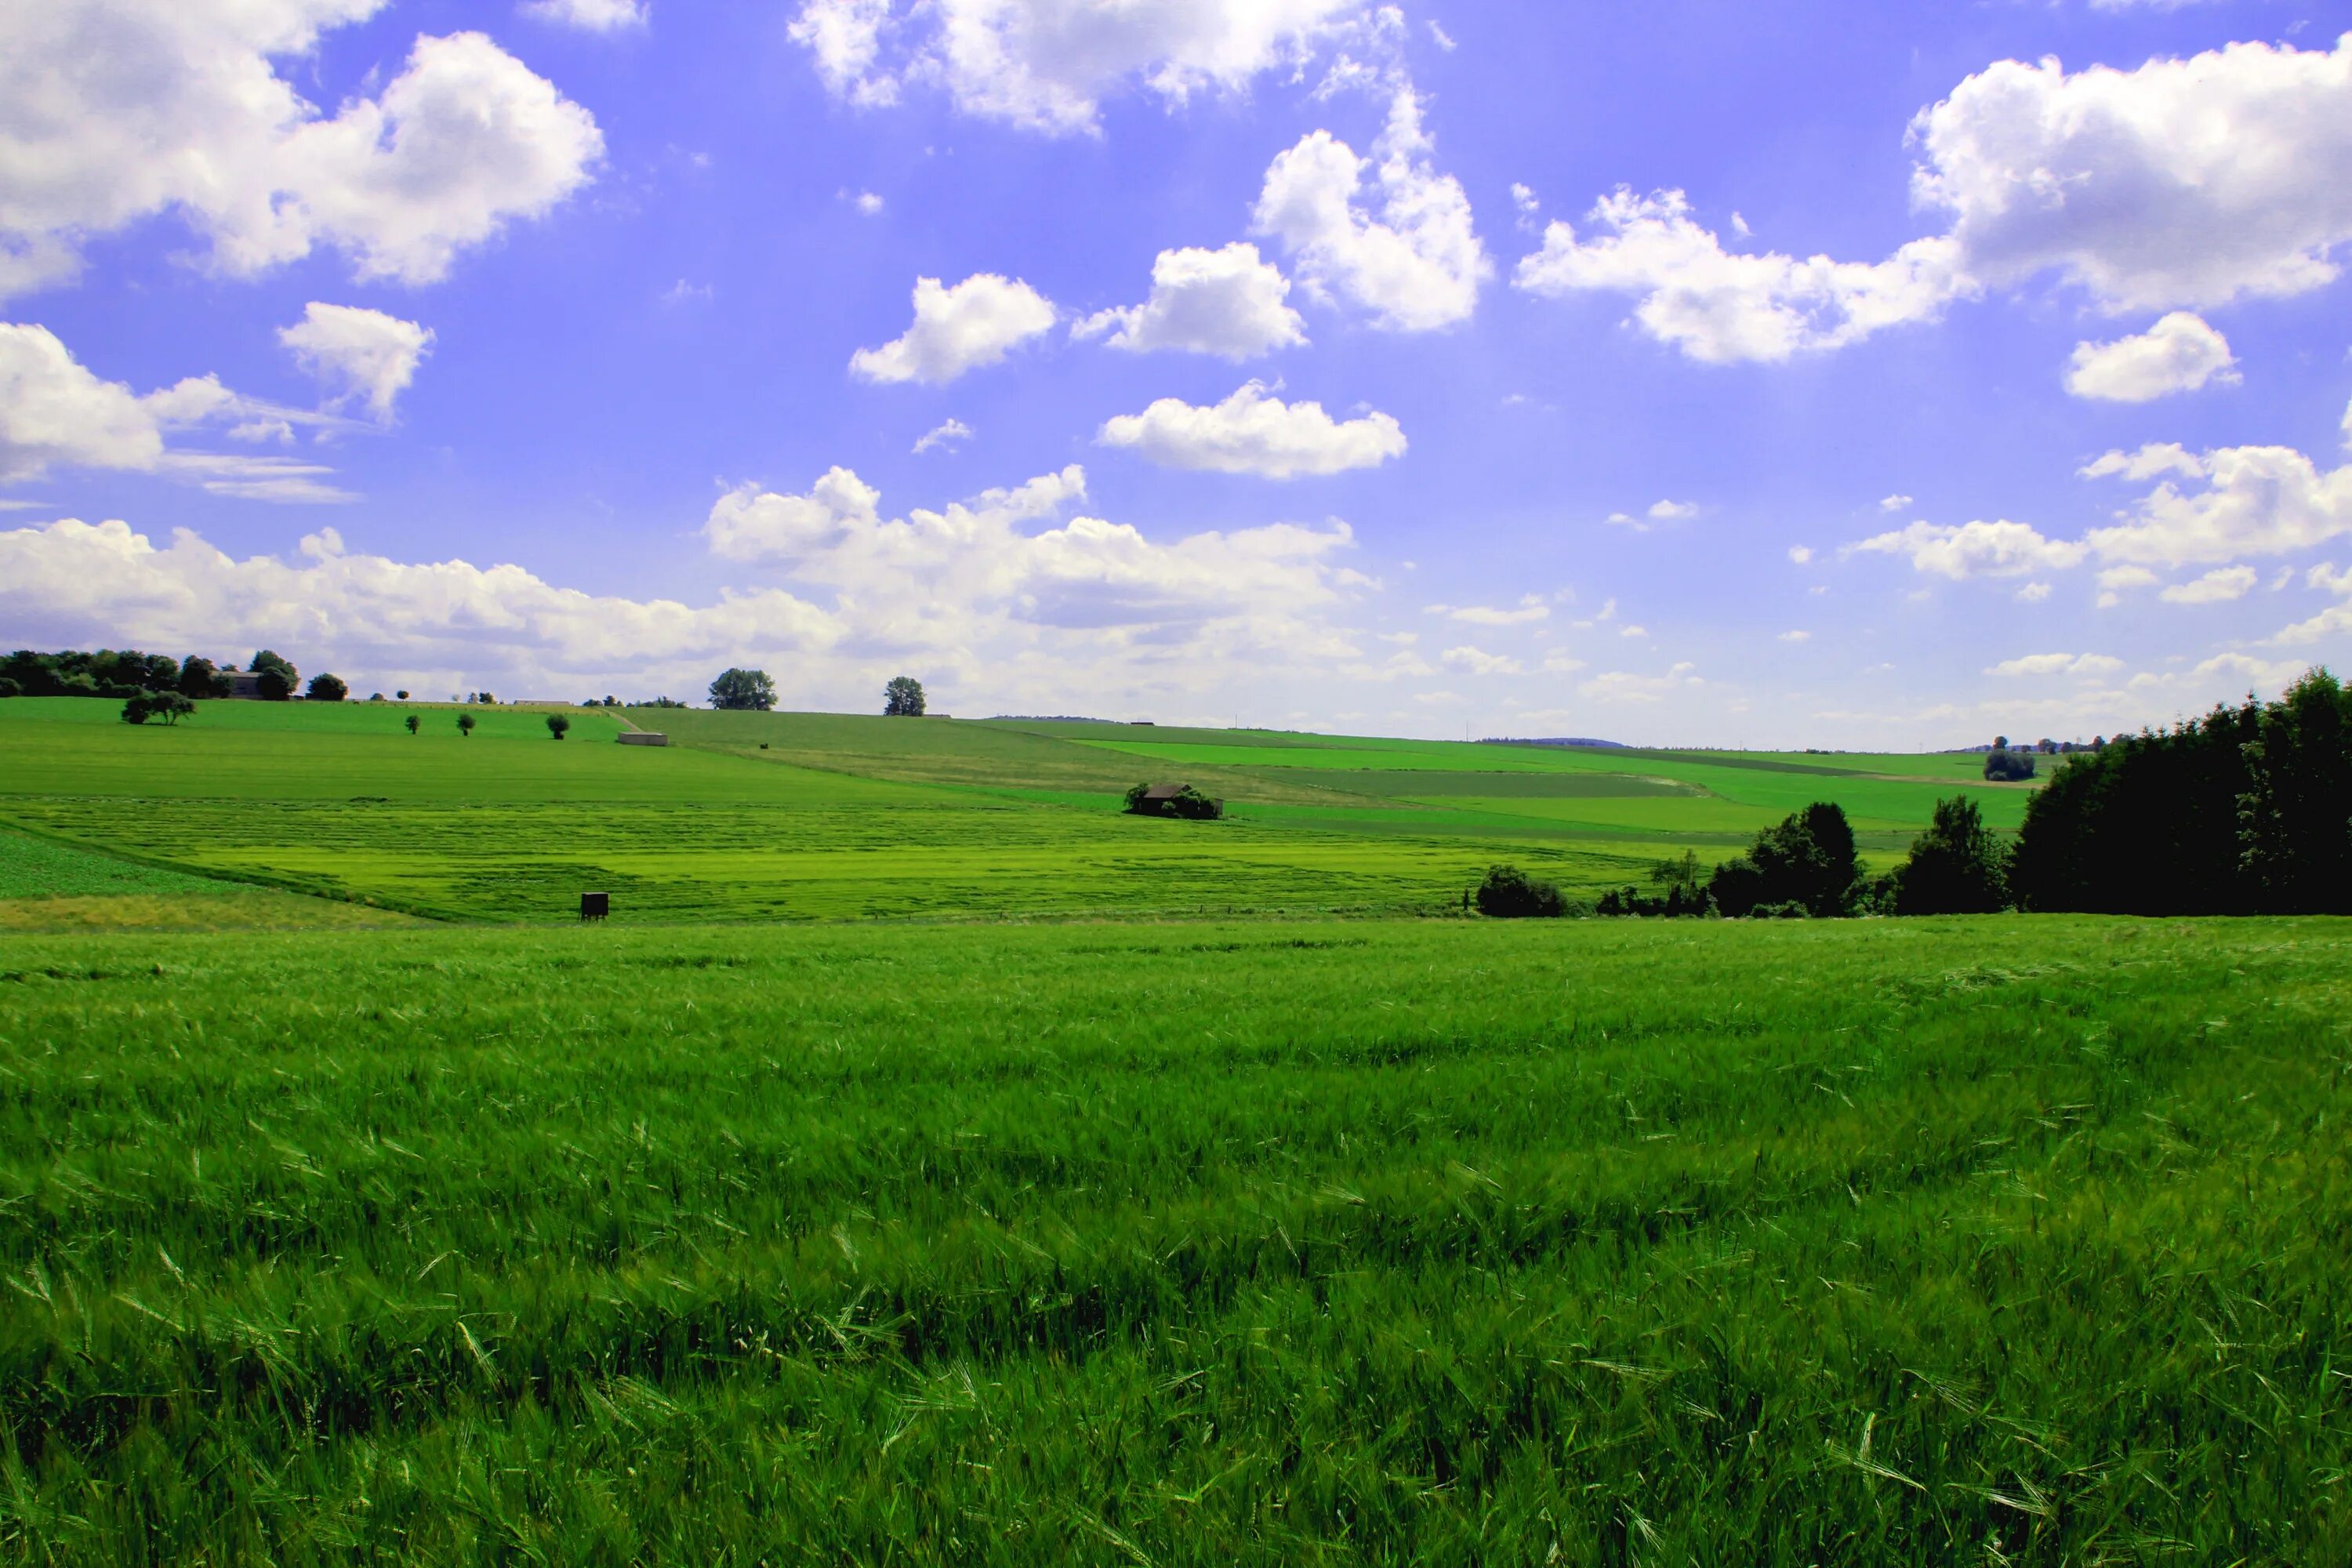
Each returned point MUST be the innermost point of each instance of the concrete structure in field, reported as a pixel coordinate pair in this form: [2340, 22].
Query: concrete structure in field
[644, 738]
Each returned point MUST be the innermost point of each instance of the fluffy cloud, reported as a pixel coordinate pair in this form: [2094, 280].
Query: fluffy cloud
[2179, 353]
[1719, 306]
[2186, 183]
[2001, 549]
[990, 590]
[1227, 303]
[56, 413]
[357, 352]
[1531, 607]
[1047, 65]
[972, 325]
[1253, 432]
[2218, 586]
[1478, 661]
[1623, 686]
[113, 111]
[589, 16]
[2237, 501]
[2095, 664]
[971, 570]
[2335, 621]
[1410, 258]
[946, 434]
[73, 581]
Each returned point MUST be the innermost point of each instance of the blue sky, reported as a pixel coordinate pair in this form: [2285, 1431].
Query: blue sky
[1820, 374]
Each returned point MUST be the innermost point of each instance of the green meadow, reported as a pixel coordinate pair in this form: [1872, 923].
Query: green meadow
[1589, 1242]
[806, 817]
[931, 1164]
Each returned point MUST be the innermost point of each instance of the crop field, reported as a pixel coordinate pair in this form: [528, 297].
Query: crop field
[760, 817]
[1874, 1243]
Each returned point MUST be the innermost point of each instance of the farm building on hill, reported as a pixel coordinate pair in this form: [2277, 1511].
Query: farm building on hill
[644, 738]
[1173, 800]
[244, 683]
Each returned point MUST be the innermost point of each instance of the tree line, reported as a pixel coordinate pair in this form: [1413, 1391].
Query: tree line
[2247, 810]
[124, 674]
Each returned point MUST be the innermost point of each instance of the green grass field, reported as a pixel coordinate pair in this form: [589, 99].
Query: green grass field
[748, 1230]
[2014, 1240]
[798, 816]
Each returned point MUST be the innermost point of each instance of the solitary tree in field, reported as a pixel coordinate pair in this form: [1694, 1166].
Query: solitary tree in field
[558, 725]
[743, 691]
[466, 725]
[166, 705]
[412, 723]
[327, 689]
[903, 698]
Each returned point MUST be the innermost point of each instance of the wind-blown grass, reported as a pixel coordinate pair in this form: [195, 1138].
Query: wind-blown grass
[2002, 1240]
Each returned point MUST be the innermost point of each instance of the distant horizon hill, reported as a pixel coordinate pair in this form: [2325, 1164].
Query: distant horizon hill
[1583, 740]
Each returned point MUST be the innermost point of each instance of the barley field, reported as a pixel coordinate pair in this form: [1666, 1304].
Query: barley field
[1278, 1241]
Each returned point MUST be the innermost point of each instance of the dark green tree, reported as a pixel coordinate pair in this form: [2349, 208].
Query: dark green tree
[327, 688]
[199, 679]
[558, 726]
[1508, 893]
[1959, 867]
[903, 698]
[2294, 816]
[466, 725]
[412, 723]
[276, 677]
[1807, 861]
[168, 706]
[743, 691]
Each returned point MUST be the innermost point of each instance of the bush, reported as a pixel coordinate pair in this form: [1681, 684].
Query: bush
[466, 725]
[2003, 766]
[1509, 894]
[168, 706]
[10, 688]
[1956, 868]
[412, 723]
[1808, 859]
[327, 689]
[1187, 803]
[558, 725]
[1685, 897]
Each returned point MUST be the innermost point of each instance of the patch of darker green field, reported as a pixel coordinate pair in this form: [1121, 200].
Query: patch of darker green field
[2011, 1240]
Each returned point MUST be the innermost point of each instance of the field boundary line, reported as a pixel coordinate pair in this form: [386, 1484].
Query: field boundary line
[274, 881]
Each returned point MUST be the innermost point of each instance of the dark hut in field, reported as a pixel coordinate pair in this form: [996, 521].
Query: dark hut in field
[1173, 800]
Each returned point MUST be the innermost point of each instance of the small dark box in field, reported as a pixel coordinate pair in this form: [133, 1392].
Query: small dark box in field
[595, 906]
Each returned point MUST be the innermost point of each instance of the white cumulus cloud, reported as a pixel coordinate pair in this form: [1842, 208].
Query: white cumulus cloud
[1227, 303]
[2224, 504]
[1530, 607]
[1410, 255]
[114, 111]
[2179, 353]
[969, 327]
[2187, 182]
[946, 433]
[589, 16]
[2218, 586]
[55, 412]
[357, 352]
[2183, 184]
[2044, 664]
[1048, 65]
[1254, 432]
[2001, 549]
[1719, 306]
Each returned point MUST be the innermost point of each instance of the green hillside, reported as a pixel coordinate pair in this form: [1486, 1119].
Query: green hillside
[768, 817]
